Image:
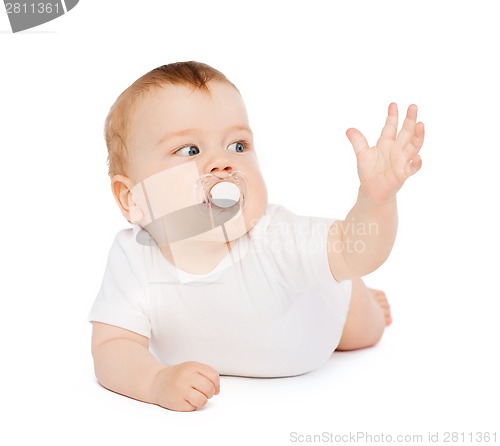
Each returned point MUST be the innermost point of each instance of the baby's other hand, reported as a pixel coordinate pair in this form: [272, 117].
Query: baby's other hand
[383, 169]
[185, 387]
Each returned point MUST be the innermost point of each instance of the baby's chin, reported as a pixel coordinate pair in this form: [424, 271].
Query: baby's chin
[232, 229]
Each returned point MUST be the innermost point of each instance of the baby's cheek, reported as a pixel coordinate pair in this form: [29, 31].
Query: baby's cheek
[167, 191]
[254, 210]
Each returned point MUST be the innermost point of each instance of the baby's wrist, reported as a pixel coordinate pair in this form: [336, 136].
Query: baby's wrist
[157, 385]
[380, 200]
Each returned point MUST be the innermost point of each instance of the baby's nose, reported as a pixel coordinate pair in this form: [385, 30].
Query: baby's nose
[221, 168]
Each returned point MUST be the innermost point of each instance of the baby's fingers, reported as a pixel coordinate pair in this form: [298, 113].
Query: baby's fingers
[417, 140]
[418, 136]
[413, 166]
[203, 385]
[409, 124]
[211, 376]
[196, 399]
[200, 391]
[358, 141]
[390, 129]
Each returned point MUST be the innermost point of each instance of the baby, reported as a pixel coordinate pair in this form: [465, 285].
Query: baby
[211, 279]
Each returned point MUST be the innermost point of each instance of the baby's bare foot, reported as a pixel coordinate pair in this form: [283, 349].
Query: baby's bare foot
[379, 297]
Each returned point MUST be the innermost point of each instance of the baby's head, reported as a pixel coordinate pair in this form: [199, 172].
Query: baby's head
[172, 135]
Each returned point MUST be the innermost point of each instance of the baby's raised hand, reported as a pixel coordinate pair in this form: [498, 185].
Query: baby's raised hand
[383, 169]
[185, 387]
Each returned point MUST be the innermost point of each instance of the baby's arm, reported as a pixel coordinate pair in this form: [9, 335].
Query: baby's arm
[123, 364]
[362, 242]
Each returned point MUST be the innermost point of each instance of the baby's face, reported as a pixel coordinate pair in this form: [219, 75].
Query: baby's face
[181, 142]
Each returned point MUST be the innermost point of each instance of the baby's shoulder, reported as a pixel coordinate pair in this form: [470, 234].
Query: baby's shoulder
[277, 214]
[278, 222]
[124, 239]
[126, 245]
[127, 254]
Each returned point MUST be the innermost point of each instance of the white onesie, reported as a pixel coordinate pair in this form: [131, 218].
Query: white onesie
[270, 308]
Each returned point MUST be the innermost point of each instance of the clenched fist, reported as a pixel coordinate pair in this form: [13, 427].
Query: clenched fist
[185, 387]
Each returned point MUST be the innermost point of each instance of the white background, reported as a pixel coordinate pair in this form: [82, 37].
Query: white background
[308, 71]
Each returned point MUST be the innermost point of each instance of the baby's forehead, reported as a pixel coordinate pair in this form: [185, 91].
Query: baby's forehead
[180, 92]
[167, 98]
[180, 102]
[179, 108]
[168, 95]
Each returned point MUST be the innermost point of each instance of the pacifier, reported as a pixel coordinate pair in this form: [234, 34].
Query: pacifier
[222, 192]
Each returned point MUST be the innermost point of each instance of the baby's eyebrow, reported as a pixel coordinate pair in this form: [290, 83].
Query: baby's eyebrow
[170, 135]
[239, 128]
[187, 132]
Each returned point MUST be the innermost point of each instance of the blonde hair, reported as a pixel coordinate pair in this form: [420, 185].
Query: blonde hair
[194, 74]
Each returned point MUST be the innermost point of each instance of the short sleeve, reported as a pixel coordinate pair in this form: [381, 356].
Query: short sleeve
[310, 246]
[122, 299]
[298, 244]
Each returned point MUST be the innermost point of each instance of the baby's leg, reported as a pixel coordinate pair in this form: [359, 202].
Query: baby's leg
[369, 314]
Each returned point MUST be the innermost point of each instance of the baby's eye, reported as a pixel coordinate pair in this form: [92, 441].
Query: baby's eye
[188, 151]
[236, 147]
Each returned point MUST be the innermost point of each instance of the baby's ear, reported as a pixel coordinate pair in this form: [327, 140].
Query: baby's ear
[121, 186]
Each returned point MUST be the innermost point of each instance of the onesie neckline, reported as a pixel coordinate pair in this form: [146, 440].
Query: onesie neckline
[237, 252]
[233, 257]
